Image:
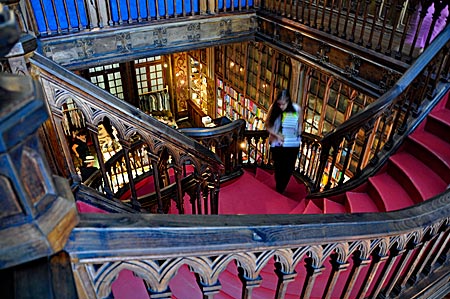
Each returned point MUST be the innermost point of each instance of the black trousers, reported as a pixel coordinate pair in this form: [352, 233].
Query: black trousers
[284, 163]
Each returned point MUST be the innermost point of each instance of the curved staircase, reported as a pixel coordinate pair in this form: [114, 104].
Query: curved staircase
[419, 170]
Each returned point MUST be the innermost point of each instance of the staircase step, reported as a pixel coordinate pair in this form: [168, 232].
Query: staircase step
[435, 144]
[294, 190]
[332, 207]
[443, 115]
[389, 192]
[264, 293]
[259, 198]
[300, 208]
[437, 150]
[438, 124]
[87, 208]
[421, 181]
[222, 295]
[231, 285]
[312, 208]
[127, 281]
[360, 203]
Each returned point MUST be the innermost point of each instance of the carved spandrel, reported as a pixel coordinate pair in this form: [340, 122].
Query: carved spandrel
[298, 42]
[225, 27]
[8, 200]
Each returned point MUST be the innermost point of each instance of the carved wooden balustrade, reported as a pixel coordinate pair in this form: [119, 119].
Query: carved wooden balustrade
[223, 140]
[363, 140]
[148, 146]
[250, 148]
[386, 255]
[257, 153]
[394, 28]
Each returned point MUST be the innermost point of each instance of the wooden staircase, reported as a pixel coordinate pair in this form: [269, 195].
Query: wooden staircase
[419, 170]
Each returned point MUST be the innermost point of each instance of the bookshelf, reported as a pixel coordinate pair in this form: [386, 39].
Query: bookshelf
[234, 105]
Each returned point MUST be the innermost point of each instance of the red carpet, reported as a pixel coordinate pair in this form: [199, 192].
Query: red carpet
[259, 194]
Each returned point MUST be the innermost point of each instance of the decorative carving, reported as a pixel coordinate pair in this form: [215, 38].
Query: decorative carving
[124, 42]
[47, 50]
[276, 33]
[31, 175]
[225, 26]
[352, 70]
[84, 48]
[193, 32]
[160, 35]
[8, 200]
[322, 53]
[389, 78]
[180, 70]
[298, 42]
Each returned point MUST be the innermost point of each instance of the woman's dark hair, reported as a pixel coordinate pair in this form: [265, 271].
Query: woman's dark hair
[275, 110]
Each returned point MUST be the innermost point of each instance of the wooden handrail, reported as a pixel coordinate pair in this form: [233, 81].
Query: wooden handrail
[96, 104]
[208, 243]
[377, 107]
[225, 141]
[388, 118]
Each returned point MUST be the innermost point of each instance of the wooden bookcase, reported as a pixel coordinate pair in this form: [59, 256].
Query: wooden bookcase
[244, 85]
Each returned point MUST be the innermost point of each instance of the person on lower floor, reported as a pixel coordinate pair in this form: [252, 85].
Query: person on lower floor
[284, 125]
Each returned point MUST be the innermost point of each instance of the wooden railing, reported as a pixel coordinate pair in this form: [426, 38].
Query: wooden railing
[257, 153]
[223, 140]
[147, 145]
[399, 254]
[364, 139]
[52, 18]
[401, 29]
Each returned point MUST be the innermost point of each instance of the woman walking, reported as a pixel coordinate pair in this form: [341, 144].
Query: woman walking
[284, 126]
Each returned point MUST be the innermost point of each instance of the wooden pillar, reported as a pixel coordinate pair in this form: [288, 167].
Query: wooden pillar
[283, 281]
[312, 273]
[337, 268]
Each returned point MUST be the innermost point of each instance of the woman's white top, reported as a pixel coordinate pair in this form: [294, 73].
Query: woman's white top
[287, 125]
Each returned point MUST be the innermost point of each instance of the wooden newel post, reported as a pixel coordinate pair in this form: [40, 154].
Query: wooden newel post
[38, 210]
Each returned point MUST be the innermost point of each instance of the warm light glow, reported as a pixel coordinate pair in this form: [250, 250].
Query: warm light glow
[231, 64]
[182, 82]
[241, 69]
[165, 65]
[243, 145]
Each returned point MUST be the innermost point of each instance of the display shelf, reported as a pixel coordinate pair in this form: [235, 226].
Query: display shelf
[198, 84]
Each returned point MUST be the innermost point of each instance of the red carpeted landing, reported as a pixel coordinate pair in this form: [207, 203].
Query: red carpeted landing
[256, 194]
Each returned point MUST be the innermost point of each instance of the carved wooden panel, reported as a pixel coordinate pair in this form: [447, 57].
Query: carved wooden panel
[104, 46]
[31, 175]
[8, 200]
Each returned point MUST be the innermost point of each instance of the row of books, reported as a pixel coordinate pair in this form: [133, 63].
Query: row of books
[234, 105]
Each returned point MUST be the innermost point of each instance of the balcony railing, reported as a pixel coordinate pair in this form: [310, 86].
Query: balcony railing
[401, 29]
[57, 17]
